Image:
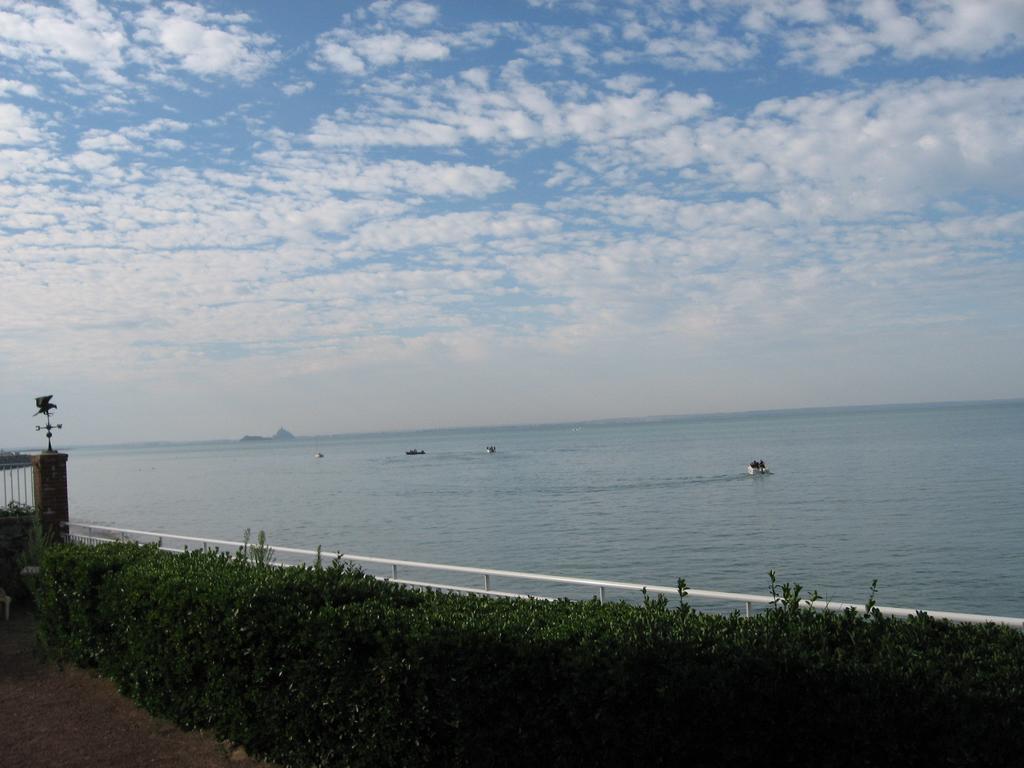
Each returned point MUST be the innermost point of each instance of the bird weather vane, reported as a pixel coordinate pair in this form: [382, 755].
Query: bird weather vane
[45, 406]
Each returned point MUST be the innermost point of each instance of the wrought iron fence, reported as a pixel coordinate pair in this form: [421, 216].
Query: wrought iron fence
[16, 481]
[485, 581]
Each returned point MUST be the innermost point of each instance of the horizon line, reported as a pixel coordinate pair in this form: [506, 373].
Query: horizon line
[526, 425]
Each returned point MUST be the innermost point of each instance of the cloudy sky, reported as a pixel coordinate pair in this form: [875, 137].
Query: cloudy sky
[222, 217]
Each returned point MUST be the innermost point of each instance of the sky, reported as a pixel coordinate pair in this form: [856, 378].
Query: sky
[220, 218]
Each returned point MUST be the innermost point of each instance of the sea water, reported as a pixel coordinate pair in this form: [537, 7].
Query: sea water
[927, 499]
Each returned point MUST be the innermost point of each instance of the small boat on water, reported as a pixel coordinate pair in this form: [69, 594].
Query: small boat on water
[318, 455]
[757, 468]
[490, 449]
[414, 452]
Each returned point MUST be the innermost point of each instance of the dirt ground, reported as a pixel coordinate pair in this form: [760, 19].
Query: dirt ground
[53, 717]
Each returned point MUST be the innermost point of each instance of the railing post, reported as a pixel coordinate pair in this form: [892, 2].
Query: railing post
[487, 582]
[600, 594]
[748, 610]
[50, 471]
[394, 572]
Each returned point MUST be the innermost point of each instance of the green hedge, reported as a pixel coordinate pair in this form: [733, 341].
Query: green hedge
[326, 666]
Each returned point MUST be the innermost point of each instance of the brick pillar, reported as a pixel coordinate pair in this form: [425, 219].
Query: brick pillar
[50, 471]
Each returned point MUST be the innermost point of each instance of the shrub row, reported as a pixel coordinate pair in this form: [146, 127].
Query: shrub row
[326, 666]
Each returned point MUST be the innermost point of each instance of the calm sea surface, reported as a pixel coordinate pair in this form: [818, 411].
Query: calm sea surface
[928, 500]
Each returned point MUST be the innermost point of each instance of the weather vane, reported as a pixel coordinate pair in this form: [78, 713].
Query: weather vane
[45, 406]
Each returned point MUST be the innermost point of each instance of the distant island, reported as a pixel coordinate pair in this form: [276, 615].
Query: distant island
[281, 434]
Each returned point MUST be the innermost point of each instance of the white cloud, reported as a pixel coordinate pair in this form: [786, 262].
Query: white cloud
[440, 179]
[831, 50]
[416, 14]
[411, 133]
[762, 16]
[19, 88]
[28, 166]
[553, 47]
[321, 172]
[206, 44]
[15, 127]
[294, 89]
[642, 113]
[329, 216]
[627, 83]
[946, 28]
[454, 229]
[478, 76]
[566, 175]
[894, 148]
[82, 33]
[355, 51]
[105, 141]
[831, 39]
[158, 125]
[168, 145]
[701, 46]
[676, 148]
[92, 161]
[391, 48]
[353, 55]
[25, 220]
[341, 58]
[135, 138]
[451, 112]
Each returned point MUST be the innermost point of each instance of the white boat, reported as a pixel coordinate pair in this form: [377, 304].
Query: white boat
[760, 469]
[318, 455]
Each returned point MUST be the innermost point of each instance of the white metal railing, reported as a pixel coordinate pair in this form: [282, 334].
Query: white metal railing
[16, 483]
[91, 534]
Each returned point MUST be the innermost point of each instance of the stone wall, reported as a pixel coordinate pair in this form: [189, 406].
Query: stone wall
[14, 536]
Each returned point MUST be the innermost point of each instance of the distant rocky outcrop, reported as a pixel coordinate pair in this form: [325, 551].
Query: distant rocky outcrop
[281, 434]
